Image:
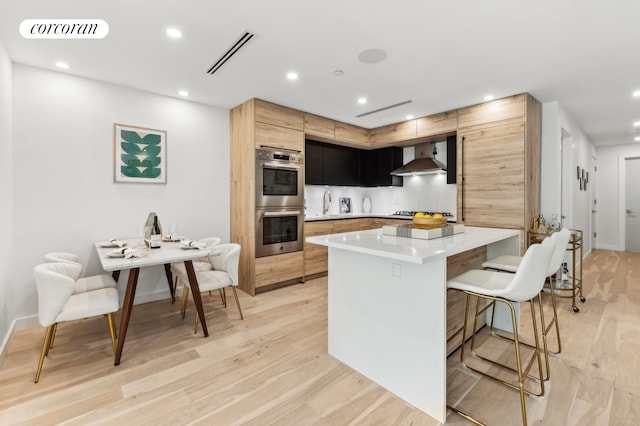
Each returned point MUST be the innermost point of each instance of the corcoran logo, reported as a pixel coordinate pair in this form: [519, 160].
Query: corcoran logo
[64, 28]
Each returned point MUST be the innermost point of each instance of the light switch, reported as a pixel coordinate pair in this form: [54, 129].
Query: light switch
[396, 270]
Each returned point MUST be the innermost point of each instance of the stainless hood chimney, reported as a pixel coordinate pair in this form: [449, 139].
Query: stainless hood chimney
[422, 164]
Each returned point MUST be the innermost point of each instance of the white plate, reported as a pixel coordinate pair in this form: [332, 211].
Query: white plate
[115, 253]
[190, 248]
[111, 244]
[173, 239]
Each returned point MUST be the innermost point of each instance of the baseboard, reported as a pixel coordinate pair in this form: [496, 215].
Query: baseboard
[5, 341]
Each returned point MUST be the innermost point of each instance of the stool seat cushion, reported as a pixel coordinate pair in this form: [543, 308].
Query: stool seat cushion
[503, 263]
[490, 283]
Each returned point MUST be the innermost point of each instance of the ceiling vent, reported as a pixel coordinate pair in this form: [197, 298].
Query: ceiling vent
[235, 46]
[384, 108]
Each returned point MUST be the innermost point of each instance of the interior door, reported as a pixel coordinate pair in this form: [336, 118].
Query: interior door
[632, 205]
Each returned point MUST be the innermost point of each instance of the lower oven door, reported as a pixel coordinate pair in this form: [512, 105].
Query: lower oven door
[278, 230]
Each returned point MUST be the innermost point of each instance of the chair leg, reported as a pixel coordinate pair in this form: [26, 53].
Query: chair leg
[53, 337]
[195, 325]
[185, 300]
[175, 287]
[554, 320]
[223, 296]
[112, 331]
[46, 344]
[235, 295]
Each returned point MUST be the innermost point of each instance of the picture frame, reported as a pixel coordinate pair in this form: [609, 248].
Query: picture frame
[140, 154]
[578, 171]
[345, 205]
[583, 174]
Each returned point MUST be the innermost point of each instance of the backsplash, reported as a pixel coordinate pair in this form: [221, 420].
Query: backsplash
[428, 192]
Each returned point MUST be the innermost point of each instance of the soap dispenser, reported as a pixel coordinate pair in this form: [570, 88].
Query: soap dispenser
[366, 204]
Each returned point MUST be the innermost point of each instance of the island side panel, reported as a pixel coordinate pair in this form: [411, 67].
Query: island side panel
[387, 320]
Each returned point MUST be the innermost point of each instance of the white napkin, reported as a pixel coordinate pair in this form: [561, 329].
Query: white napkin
[131, 252]
[192, 244]
[116, 242]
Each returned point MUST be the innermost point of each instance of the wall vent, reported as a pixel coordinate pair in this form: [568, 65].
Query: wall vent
[235, 46]
[384, 108]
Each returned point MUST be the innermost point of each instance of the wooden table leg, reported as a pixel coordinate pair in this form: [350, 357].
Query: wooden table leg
[197, 297]
[126, 311]
[167, 271]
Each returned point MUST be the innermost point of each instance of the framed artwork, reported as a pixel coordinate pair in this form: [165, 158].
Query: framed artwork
[578, 169]
[140, 154]
[584, 176]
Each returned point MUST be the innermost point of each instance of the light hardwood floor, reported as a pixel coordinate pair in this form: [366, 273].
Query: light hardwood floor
[273, 367]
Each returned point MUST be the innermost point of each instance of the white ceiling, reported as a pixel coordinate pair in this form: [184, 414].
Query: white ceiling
[441, 54]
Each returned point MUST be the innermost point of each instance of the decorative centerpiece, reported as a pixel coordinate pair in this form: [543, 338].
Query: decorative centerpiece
[426, 221]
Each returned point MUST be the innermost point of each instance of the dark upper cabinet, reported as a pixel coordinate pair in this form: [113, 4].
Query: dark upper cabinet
[328, 164]
[451, 159]
[379, 164]
[313, 163]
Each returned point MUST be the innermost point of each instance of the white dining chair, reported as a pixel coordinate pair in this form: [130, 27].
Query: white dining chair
[224, 274]
[179, 270]
[58, 303]
[84, 283]
[507, 288]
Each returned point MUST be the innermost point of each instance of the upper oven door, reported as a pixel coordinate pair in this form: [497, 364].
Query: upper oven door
[279, 184]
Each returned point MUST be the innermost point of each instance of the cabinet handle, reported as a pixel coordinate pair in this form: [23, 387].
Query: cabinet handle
[462, 175]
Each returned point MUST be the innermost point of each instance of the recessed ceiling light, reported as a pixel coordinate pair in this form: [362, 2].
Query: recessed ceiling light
[63, 65]
[636, 124]
[174, 33]
[489, 98]
[362, 101]
[372, 56]
[292, 75]
[637, 139]
[338, 73]
[636, 94]
[409, 117]
[183, 93]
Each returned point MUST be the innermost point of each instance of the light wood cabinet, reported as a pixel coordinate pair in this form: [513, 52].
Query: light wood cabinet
[393, 134]
[352, 135]
[493, 112]
[253, 124]
[498, 166]
[278, 137]
[315, 256]
[317, 126]
[350, 225]
[281, 268]
[438, 124]
[266, 112]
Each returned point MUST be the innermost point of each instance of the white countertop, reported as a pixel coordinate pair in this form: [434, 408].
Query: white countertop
[413, 250]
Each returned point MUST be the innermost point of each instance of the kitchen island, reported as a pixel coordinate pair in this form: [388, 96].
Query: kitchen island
[387, 306]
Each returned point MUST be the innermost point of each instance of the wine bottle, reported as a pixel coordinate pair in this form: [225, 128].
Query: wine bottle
[156, 236]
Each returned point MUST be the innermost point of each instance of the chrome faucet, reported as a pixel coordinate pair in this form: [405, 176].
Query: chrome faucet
[326, 199]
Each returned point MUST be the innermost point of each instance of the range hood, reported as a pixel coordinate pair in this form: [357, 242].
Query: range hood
[422, 164]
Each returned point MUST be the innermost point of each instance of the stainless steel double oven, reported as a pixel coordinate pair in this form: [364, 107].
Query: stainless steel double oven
[279, 201]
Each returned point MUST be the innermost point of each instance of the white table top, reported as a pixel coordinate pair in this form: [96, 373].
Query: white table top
[168, 252]
[413, 250]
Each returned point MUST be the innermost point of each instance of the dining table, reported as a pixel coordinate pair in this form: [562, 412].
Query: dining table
[114, 259]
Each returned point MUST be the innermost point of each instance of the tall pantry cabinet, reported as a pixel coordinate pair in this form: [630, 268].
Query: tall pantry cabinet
[498, 163]
[253, 124]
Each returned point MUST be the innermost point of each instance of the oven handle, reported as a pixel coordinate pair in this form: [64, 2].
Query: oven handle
[275, 214]
[280, 166]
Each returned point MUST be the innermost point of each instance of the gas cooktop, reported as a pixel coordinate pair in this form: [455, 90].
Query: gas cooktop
[412, 213]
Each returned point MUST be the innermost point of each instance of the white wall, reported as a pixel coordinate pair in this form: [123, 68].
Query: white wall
[65, 196]
[428, 192]
[6, 195]
[609, 224]
[555, 123]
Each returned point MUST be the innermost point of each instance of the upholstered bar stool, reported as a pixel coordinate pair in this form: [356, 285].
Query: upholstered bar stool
[507, 288]
[511, 264]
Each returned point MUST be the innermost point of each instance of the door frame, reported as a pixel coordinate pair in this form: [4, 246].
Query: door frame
[622, 190]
